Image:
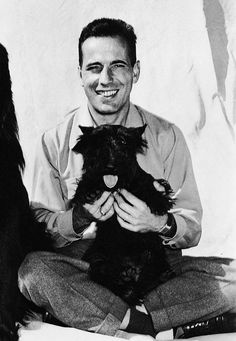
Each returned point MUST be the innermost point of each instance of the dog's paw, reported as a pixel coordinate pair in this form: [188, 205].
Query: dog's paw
[130, 274]
[166, 188]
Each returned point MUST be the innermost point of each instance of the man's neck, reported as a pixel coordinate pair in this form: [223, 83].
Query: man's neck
[116, 118]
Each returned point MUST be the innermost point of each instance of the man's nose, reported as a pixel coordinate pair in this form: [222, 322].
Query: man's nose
[105, 76]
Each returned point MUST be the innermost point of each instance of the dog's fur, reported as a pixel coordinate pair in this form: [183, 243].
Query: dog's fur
[19, 233]
[129, 264]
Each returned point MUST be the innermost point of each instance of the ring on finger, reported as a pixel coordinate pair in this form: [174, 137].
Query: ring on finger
[102, 213]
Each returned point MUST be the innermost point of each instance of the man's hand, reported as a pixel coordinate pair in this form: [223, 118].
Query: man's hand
[133, 214]
[102, 209]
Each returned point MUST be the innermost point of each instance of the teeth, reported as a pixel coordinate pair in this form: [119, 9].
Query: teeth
[107, 93]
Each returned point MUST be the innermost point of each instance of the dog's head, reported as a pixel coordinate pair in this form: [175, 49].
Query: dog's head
[109, 151]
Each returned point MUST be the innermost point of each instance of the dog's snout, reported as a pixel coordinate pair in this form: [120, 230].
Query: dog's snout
[111, 169]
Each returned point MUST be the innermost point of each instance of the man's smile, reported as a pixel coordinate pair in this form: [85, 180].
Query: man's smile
[107, 93]
[107, 75]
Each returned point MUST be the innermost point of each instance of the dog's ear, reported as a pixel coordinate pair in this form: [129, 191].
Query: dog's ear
[139, 142]
[83, 140]
[86, 130]
[139, 130]
[79, 147]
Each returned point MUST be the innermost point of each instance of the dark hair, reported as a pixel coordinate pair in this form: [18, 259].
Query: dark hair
[106, 27]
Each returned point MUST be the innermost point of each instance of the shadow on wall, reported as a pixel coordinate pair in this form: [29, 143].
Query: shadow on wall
[215, 24]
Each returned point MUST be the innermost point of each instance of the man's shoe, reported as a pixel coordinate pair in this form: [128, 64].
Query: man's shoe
[225, 323]
[140, 323]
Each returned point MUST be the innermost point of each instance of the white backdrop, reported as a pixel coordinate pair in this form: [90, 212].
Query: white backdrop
[187, 53]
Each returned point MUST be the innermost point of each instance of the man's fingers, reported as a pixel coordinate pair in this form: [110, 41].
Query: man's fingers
[101, 206]
[103, 198]
[124, 205]
[125, 224]
[107, 205]
[132, 198]
[106, 201]
[124, 215]
[107, 215]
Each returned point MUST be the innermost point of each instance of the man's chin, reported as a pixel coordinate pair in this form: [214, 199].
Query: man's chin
[107, 110]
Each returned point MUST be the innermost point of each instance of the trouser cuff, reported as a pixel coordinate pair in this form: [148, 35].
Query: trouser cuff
[160, 318]
[113, 320]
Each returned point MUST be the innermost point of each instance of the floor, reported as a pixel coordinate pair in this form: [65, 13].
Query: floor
[38, 331]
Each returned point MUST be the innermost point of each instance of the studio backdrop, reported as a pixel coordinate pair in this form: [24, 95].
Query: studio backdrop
[187, 51]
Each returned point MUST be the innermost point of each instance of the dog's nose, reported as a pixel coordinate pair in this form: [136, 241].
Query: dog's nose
[110, 169]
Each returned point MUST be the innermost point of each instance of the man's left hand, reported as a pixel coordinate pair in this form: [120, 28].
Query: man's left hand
[133, 214]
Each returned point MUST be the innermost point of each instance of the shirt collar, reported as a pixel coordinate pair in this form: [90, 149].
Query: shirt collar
[135, 117]
[83, 117]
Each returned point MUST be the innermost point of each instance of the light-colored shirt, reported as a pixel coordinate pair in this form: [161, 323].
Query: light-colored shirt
[57, 169]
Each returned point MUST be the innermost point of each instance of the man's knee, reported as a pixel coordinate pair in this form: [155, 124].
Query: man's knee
[31, 270]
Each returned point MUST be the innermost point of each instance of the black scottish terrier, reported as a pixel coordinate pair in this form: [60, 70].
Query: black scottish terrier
[19, 233]
[128, 263]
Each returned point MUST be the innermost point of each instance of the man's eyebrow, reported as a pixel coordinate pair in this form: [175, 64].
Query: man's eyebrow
[119, 61]
[92, 64]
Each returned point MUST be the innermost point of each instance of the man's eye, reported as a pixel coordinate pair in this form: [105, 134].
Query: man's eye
[117, 66]
[94, 68]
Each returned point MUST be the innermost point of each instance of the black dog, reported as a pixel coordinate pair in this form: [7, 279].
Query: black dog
[129, 264]
[19, 233]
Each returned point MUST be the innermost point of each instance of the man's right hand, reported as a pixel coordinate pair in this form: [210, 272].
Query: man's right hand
[102, 209]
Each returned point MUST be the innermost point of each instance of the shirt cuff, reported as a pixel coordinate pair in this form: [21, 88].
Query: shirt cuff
[64, 223]
[180, 231]
[64, 226]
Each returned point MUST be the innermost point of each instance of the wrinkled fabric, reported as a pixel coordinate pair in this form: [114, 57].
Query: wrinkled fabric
[203, 288]
[58, 168]
[183, 79]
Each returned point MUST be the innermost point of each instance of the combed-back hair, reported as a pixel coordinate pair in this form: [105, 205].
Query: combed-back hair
[107, 27]
[8, 122]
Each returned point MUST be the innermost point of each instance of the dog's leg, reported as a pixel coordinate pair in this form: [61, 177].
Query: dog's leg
[11, 255]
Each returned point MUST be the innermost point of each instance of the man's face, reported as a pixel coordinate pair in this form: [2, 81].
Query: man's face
[107, 75]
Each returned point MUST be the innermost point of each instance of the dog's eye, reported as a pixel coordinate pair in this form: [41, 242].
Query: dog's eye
[123, 141]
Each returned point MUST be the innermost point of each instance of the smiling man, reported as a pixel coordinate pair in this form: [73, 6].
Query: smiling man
[108, 74]
[58, 281]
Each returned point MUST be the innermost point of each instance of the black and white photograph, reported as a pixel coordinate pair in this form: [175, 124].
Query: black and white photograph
[118, 170]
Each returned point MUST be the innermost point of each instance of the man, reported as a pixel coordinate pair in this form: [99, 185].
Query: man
[203, 288]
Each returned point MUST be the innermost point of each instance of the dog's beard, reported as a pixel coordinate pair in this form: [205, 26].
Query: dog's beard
[92, 184]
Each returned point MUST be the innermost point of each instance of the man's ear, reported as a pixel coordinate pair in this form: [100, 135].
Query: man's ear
[136, 71]
[80, 76]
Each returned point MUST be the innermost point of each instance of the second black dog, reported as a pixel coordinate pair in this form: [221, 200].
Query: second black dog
[128, 263]
[19, 231]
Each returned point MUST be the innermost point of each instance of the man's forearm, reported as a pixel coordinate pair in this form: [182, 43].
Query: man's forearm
[58, 224]
[81, 219]
[188, 229]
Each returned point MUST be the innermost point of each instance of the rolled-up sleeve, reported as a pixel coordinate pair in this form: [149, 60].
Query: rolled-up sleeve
[178, 171]
[47, 199]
